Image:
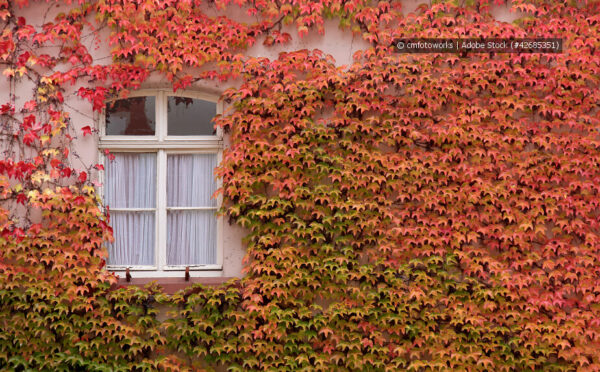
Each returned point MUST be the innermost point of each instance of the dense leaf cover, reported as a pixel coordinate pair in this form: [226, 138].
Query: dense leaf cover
[407, 212]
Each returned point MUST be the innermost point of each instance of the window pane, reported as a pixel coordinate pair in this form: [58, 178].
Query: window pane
[131, 116]
[131, 181]
[190, 117]
[190, 180]
[134, 238]
[191, 237]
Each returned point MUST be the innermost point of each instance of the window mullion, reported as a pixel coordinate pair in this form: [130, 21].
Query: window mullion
[161, 116]
[162, 209]
[161, 127]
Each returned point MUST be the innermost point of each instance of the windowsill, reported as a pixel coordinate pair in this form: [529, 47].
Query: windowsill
[169, 272]
[172, 285]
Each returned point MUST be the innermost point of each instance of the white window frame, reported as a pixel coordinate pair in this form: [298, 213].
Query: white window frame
[162, 144]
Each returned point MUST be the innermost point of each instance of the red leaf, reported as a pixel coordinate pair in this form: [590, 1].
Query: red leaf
[82, 177]
[21, 198]
[110, 156]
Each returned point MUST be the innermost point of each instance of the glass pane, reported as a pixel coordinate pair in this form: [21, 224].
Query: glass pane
[134, 238]
[190, 117]
[131, 116]
[131, 181]
[191, 237]
[190, 180]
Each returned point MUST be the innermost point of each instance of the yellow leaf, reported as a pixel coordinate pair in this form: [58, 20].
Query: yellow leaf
[50, 152]
[89, 189]
[526, 226]
[39, 177]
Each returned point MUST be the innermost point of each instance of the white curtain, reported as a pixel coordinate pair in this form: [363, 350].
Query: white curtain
[134, 238]
[191, 237]
[190, 180]
[131, 183]
[191, 234]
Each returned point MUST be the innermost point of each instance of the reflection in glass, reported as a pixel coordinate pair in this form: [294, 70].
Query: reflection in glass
[131, 116]
[190, 117]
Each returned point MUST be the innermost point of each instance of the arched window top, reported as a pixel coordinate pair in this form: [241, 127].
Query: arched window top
[161, 114]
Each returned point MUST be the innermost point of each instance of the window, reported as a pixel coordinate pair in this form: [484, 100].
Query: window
[160, 184]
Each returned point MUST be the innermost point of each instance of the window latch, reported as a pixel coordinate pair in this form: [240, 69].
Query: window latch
[187, 273]
[127, 275]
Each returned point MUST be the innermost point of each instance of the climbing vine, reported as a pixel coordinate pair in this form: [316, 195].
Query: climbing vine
[406, 212]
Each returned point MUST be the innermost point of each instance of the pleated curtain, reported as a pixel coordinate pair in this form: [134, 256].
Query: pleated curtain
[191, 233]
[131, 183]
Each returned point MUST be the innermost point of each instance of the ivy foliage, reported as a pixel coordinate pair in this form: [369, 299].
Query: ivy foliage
[408, 212]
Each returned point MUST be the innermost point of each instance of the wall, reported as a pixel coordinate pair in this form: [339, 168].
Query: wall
[340, 44]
